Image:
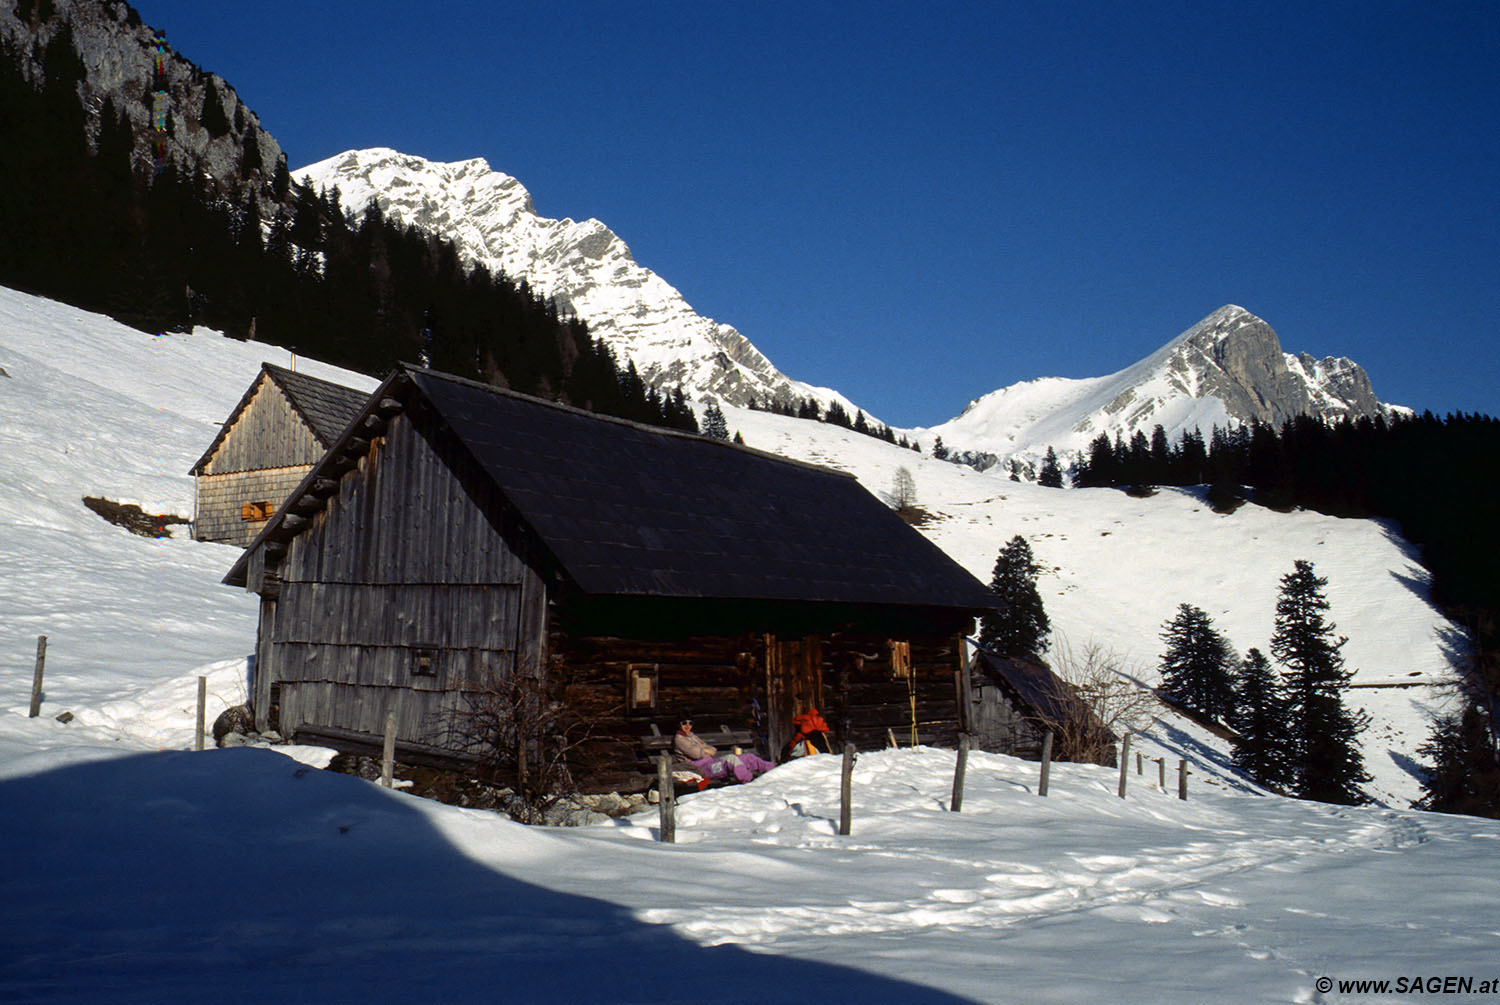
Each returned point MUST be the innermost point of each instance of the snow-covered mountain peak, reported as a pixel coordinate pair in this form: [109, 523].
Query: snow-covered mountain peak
[583, 266]
[1227, 368]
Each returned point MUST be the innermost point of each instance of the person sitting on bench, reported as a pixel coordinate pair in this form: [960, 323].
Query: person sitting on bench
[707, 761]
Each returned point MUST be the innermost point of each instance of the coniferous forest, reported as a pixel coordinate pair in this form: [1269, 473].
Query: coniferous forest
[165, 249]
[1432, 477]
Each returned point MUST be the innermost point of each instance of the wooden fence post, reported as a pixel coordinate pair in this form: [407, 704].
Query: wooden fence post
[959, 767]
[202, 712]
[1124, 763]
[388, 754]
[846, 791]
[667, 801]
[1041, 789]
[1182, 773]
[36, 679]
[1161, 773]
[1138, 769]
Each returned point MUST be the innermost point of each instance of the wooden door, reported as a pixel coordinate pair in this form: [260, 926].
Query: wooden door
[794, 684]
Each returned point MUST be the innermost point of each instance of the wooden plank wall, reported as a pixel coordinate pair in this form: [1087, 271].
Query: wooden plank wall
[719, 680]
[264, 455]
[268, 433]
[218, 515]
[1000, 728]
[403, 558]
[865, 697]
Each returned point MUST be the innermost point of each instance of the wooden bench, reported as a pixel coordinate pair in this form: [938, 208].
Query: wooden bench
[656, 743]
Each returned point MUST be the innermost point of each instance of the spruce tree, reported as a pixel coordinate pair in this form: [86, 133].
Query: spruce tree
[1259, 719]
[714, 423]
[1022, 628]
[1195, 669]
[1463, 773]
[1051, 475]
[1325, 757]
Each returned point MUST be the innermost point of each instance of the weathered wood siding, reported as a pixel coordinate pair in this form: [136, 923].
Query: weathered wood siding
[754, 682]
[221, 497]
[402, 559]
[868, 698]
[263, 456]
[1000, 725]
[268, 433]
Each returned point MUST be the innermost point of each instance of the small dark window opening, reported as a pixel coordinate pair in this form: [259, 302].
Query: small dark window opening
[424, 661]
[641, 680]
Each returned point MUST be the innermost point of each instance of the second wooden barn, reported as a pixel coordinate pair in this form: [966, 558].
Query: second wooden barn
[459, 534]
[283, 423]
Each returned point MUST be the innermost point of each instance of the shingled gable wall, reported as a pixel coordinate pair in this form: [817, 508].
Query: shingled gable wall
[242, 471]
[401, 554]
[263, 451]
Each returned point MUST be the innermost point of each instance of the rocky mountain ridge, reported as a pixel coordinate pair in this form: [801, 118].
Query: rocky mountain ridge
[583, 266]
[1229, 368]
[119, 53]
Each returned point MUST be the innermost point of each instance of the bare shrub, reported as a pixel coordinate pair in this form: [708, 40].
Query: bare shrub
[530, 731]
[904, 490]
[1101, 705]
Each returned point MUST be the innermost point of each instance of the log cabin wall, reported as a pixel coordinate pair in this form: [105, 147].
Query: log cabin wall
[751, 680]
[402, 591]
[263, 456]
[869, 696]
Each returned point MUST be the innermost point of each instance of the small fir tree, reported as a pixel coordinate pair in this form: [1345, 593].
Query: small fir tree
[1051, 475]
[1022, 628]
[714, 424]
[1195, 669]
[1463, 773]
[1259, 719]
[1326, 761]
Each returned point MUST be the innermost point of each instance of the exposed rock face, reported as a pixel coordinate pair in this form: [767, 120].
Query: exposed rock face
[1228, 368]
[119, 55]
[1236, 357]
[582, 266]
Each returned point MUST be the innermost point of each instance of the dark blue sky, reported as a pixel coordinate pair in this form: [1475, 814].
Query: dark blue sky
[919, 204]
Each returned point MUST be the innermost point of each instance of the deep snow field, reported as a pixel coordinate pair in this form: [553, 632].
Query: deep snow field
[137, 870]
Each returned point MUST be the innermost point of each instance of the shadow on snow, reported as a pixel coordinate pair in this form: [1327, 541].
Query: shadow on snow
[238, 873]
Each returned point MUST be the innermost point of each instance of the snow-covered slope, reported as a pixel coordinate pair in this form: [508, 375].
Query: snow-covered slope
[173, 877]
[583, 266]
[1227, 368]
[94, 408]
[137, 875]
[1115, 569]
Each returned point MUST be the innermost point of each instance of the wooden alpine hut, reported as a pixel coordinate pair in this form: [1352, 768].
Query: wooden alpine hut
[1015, 702]
[284, 422]
[458, 535]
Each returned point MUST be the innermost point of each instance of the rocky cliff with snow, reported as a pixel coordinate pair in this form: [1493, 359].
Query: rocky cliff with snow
[1227, 369]
[119, 54]
[583, 266]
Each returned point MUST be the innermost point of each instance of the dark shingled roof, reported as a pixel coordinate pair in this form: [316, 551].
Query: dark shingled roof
[1037, 686]
[628, 509]
[326, 407]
